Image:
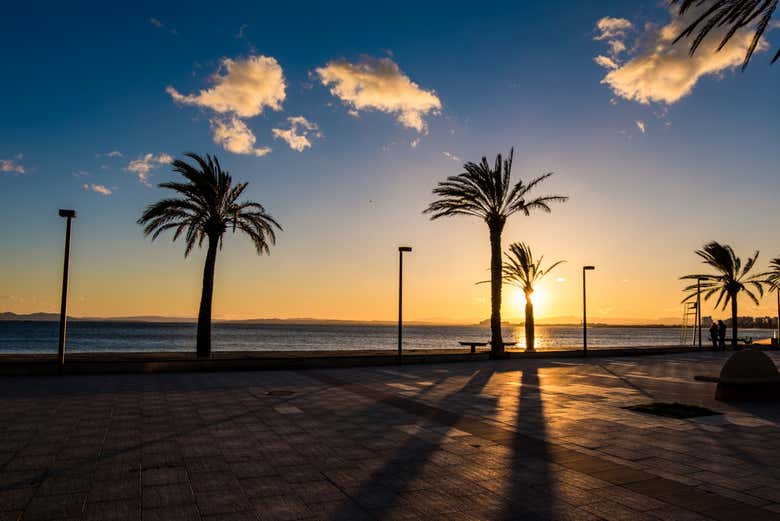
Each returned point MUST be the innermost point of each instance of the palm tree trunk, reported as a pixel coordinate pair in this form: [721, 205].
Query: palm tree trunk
[497, 343]
[778, 316]
[204, 315]
[529, 323]
[734, 321]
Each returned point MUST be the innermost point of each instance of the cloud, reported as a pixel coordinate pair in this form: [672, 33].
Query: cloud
[157, 23]
[413, 143]
[80, 173]
[656, 70]
[144, 164]
[113, 153]
[100, 189]
[300, 133]
[641, 126]
[244, 87]
[379, 84]
[235, 136]
[606, 62]
[451, 156]
[12, 166]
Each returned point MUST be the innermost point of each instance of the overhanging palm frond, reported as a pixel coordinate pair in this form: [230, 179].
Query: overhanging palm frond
[731, 15]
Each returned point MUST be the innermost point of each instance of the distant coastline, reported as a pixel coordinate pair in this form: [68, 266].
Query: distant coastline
[155, 319]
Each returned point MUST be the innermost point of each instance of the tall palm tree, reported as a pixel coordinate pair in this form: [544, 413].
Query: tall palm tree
[732, 15]
[207, 208]
[488, 193]
[522, 270]
[773, 279]
[729, 280]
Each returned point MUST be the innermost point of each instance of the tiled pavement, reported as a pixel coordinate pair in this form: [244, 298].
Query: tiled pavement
[517, 439]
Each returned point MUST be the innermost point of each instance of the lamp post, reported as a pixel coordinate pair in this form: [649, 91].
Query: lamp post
[401, 250]
[68, 215]
[585, 311]
[698, 308]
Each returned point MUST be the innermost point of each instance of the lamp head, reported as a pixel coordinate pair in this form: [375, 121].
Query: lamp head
[404, 248]
[589, 268]
[67, 213]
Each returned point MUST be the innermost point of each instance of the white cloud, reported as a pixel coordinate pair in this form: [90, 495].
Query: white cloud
[656, 70]
[144, 164]
[235, 136]
[640, 125]
[80, 173]
[245, 88]
[413, 143]
[157, 23]
[606, 62]
[379, 84]
[13, 166]
[451, 156]
[300, 133]
[113, 153]
[100, 189]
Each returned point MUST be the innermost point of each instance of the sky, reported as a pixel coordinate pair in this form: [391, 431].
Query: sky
[343, 119]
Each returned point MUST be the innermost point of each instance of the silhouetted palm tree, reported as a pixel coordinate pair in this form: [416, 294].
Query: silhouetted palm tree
[524, 272]
[487, 193]
[730, 279]
[732, 15]
[773, 279]
[209, 207]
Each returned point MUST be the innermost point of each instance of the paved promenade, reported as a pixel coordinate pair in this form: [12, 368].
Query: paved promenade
[516, 439]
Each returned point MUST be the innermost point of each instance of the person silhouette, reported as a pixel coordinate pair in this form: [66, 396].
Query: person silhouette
[722, 335]
[714, 335]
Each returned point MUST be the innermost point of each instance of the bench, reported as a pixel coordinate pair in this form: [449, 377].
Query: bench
[475, 345]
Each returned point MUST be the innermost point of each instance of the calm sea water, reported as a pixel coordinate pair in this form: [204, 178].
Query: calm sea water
[41, 337]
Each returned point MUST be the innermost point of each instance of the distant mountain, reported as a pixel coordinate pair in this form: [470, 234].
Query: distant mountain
[32, 317]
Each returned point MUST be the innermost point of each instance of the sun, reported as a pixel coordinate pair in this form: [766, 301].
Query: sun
[517, 298]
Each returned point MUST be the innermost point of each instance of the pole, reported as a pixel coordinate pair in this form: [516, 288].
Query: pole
[400, 301]
[778, 316]
[698, 308]
[64, 304]
[584, 317]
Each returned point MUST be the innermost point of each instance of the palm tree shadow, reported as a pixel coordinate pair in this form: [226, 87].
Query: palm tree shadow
[401, 473]
[529, 490]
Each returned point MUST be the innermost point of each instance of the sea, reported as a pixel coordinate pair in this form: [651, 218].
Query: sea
[83, 336]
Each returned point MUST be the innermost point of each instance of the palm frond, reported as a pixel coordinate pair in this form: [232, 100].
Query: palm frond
[208, 206]
[731, 15]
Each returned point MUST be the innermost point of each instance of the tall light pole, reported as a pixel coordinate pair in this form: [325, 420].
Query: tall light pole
[69, 215]
[401, 250]
[698, 308]
[585, 311]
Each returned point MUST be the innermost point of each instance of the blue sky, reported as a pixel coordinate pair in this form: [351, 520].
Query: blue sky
[84, 81]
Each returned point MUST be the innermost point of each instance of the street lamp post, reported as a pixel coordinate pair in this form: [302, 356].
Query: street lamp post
[698, 308]
[69, 215]
[401, 250]
[585, 311]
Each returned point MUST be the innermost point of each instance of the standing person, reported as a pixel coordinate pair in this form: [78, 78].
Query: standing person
[714, 335]
[722, 335]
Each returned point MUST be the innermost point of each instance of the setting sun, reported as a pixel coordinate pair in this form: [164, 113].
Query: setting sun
[538, 297]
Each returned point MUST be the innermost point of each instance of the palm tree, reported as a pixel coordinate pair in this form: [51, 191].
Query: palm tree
[209, 206]
[487, 192]
[732, 15]
[523, 271]
[730, 279]
[773, 279]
